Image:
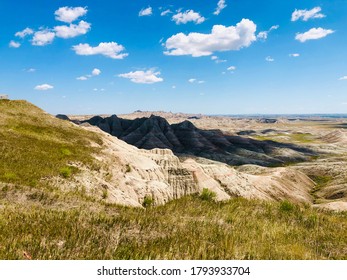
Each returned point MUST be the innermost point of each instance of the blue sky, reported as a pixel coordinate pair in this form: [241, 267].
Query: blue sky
[212, 57]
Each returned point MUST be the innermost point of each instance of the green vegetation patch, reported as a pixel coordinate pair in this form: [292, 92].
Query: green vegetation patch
[188, 228]
[321, 181]
[288, 138]
[208, 195]
[147, 201]
[34, 144]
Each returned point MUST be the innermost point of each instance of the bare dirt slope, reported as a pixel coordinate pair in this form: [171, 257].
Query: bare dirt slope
[131, 175]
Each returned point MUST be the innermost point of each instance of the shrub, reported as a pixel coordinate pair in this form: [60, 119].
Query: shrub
[66, 152]
[286, 206]
[128, 168]
[65, 171]
[207, 195]
[147, 201]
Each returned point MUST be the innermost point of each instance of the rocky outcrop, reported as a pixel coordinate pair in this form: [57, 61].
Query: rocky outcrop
[186, 139]
[337, 136]
[131, 175]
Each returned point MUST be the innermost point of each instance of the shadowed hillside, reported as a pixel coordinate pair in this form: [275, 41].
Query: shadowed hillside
[186, 139]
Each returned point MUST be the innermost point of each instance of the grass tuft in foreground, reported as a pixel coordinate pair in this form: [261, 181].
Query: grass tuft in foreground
[188, 228]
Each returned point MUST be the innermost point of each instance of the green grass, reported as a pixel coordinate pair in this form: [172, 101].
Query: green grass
[35, 145]
[188, 228]
[321, 182]
[207, 195]
[66, 171]
[302, 138]
[286, 206]
[147, 201]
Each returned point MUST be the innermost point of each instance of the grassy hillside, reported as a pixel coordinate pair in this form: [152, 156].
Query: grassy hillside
[188, 228]
[35, 145]
[40, 222]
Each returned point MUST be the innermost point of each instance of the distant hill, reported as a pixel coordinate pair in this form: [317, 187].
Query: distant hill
[186, 139]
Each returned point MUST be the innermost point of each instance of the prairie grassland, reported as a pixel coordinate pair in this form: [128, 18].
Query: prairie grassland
[34, 144]
[189, 228]
[301, 138]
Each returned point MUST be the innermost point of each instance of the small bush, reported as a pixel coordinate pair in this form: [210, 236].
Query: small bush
[147, 201]
[66, 152]
[66, 171]
[128, 168]
[286, 206]
[207, 195]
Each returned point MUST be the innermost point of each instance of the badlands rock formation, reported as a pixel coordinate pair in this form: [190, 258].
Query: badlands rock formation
[186, 139]
[130, 175]
[249, 143]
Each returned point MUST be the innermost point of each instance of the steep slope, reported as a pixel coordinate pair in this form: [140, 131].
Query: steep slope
[159, 174]
[40, 152]
[185, 138]
[35, 145]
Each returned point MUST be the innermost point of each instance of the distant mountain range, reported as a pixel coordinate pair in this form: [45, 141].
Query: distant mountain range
[186, 139]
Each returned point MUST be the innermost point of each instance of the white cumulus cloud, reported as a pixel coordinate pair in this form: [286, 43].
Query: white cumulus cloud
[220, 6]
[313, 34]
[96, 72]
[192, 80]
[294, 54]
[187, 16]
[343, 78]
[43, 37]
[269, 59]
[111, 49]
[27, 31]
[264, 34]
[146, 12]
[305, 15]
[73, 30]
[14, 44]
[143, 77]
[43, 87]
[70, 14]
[221, 38]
